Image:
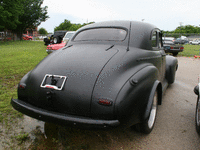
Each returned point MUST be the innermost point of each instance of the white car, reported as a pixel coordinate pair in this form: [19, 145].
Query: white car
[168, 40]
[68, 36]
[195, 42]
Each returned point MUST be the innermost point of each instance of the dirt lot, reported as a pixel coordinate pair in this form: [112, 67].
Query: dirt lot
[174, 128]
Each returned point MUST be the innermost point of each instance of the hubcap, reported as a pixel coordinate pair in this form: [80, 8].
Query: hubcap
[152, 116]
[55, 40]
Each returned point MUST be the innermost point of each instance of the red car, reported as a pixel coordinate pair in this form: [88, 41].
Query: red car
[53, 47]
[27, 37]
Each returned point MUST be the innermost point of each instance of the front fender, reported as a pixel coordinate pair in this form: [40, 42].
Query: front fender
[171, 67]
[132, 100]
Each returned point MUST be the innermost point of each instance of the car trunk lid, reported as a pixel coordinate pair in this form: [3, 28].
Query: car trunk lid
[81, 65]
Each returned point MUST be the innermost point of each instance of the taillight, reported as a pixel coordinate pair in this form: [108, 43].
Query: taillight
[105, 102]
[22, 86]
[181, 47]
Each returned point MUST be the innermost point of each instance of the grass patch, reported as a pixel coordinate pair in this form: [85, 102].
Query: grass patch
[190, 50]
[16, 59]
[22, 137]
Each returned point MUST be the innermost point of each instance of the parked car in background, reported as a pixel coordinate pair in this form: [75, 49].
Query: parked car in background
[42, 37]
[5, 36]
[180, 41]
[48, 40]
[53, 47]
[197, 111]
[170, 47]
[55, 38]
[27, 37]
[195, 42]
[168, 40]
[109, 74]
[58, 36]
[68, 36]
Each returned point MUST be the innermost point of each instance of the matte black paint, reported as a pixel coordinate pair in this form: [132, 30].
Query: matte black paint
[126, 73]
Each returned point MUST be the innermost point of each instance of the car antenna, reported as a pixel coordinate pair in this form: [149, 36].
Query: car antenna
[129, 37]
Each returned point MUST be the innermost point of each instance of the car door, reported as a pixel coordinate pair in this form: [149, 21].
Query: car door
[157, 47]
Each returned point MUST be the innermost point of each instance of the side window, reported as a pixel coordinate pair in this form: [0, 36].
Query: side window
[154, 39]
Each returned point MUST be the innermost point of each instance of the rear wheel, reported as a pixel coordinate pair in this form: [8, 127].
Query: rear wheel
[197, 116]
[56, 40]
[147, 126]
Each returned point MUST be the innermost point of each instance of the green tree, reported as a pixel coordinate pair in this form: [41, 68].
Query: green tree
[43, 31]
[67, 25]
[75, 27]
[64, 25]
[10, 10]
[32, 17]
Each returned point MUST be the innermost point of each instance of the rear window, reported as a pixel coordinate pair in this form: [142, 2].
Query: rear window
[101, 34]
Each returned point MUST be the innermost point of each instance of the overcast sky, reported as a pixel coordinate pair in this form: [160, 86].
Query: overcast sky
[165, 14]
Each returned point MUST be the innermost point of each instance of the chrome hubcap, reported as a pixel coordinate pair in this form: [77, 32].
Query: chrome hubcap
[55, 40]
[152, 116]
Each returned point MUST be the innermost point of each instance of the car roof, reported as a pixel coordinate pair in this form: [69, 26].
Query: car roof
[140, 36]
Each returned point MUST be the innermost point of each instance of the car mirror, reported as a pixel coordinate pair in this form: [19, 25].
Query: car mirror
[196, 90]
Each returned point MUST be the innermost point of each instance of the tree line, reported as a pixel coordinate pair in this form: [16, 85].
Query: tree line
[18, 15]
[65, 25]
[186, 30]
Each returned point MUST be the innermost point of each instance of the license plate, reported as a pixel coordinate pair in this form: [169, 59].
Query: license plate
[55, 82]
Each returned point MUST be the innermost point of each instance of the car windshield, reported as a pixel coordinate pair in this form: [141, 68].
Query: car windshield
[102, 34]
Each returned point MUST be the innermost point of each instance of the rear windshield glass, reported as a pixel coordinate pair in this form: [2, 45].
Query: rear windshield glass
[101, 34]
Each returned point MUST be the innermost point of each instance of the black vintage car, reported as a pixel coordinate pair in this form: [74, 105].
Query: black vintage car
[109, 74]
[55, 38]
[197, 111]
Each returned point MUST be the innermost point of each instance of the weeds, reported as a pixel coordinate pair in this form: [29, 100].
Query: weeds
[22, 137]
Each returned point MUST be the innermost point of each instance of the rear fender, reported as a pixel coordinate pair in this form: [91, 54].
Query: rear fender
[133, 98]
[156, 87]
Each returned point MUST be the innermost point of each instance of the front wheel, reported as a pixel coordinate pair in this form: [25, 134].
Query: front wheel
[197, 116]
[147, 126]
